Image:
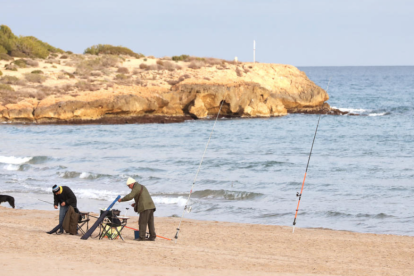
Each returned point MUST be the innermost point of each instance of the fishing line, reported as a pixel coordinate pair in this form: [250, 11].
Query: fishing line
[186, 208]
[45, 201]
[310, 154]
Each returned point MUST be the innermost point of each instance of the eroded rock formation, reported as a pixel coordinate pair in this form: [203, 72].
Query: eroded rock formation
[246, 90]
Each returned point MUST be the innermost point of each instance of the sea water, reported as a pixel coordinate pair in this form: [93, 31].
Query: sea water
[360, 176]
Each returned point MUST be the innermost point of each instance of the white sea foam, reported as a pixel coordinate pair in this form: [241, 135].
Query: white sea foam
[84, 175]
[14, 160]
[378, 114]
[360, 111]
[351, 110]
[12, 167]
[96, 194]
[180, 201]
[110, 195]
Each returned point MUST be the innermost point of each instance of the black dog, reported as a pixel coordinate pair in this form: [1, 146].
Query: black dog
[6, 198]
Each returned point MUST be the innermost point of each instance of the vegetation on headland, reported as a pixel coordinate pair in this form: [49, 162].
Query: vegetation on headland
[33, 69]
[111, 50]
[23, 46]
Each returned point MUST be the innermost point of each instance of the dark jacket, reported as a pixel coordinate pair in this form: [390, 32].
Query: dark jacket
[70, 223]
[66, 196]
[144, 202]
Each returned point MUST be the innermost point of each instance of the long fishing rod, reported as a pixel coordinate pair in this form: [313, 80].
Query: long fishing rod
[310, 154]
[45, 201]
[188, 209]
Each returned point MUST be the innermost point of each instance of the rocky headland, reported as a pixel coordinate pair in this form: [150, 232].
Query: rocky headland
[246, 89]
[111, 84]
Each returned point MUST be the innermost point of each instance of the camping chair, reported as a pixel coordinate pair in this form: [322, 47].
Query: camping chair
[83, 220]
[113, 226]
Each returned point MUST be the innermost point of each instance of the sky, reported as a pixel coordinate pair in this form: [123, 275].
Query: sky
[296, 32]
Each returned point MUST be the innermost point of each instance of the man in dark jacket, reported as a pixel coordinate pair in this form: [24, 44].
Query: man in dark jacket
[64, 196]
[144, 206]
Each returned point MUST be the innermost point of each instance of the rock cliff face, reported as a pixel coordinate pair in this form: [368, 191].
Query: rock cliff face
[246, 90]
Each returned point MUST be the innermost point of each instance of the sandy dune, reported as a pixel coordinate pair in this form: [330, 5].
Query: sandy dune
[203, 248]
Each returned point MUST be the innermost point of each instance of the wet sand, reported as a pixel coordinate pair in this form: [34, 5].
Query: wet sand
[203, 248]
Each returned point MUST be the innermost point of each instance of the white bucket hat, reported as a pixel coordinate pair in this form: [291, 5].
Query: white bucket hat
[130, 181]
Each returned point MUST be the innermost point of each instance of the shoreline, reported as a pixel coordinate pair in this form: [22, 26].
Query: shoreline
[160, 119]
[203, 247]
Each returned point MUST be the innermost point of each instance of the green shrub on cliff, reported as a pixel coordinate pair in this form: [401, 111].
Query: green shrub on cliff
[1, 73]
[180, 58]
[121, 77]
[9, 80]
[6, 87]
[20, 63]
[23, 46]
[3, 50]
[111, 50]
[5, 57]
[37, 78]
[37, 72]
[85, 67]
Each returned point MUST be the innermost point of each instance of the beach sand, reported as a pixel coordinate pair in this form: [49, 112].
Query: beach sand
[203, 248]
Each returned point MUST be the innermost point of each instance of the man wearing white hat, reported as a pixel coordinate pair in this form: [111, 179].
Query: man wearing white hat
[144, 206]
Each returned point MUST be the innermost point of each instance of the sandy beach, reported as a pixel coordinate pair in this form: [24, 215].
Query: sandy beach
[203, 248]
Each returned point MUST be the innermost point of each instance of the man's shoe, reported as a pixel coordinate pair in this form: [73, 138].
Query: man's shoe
[59, 232]
[139, 239]
[151, 239]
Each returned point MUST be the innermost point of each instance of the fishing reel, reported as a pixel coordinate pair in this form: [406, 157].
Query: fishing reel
[188, 208]
[298, 194]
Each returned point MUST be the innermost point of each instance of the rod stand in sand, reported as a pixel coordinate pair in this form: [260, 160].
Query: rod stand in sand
[188, 209]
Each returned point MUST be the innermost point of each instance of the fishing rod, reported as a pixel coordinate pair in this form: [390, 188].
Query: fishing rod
[45, 201]
[303, 183]
[186, 208]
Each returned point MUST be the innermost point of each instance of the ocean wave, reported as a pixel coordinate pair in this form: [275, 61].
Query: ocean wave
[216, 194]
[13, 167]
[110, 195]
[69, 174]
[376, 216]
[86, 175]
[360, 215]
[351, 110]
[180, 201]
[82, 175]
[38, 160]
[271, 215]
[95, 194]
[378, 114]
[337, 214]
[13, 160]
[14, 163]
[364, 112]
[225, 194]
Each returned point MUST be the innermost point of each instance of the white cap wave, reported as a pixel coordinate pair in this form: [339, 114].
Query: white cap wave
[14, 160]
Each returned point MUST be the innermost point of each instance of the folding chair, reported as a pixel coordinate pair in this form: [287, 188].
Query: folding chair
[113, 226]
[83, 220]
[112, 231]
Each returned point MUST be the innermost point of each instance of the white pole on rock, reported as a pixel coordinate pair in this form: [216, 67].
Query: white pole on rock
[254, 51]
